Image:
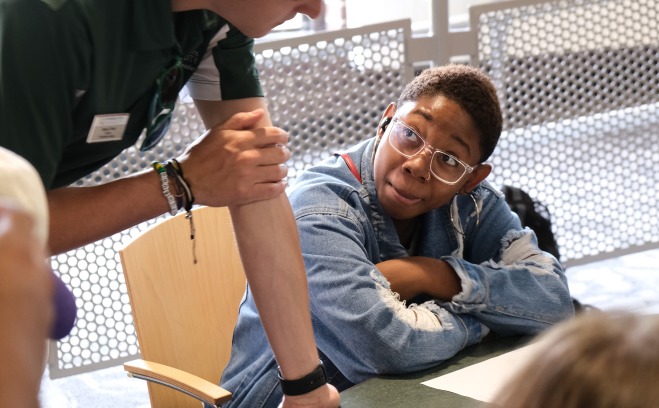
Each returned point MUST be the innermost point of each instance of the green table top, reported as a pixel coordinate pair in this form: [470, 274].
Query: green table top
[407, 391]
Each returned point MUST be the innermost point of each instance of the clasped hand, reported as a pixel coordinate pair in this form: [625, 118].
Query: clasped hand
[236, 162]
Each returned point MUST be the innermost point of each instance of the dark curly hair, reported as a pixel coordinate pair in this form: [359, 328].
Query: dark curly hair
[468, 87]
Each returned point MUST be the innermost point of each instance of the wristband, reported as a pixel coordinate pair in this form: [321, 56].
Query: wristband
[315, 379]
[164, 184]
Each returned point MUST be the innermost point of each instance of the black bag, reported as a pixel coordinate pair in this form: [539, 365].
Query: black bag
[533, 214]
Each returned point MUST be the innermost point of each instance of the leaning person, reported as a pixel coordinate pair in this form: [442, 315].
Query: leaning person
[411, 254]
[81, 80]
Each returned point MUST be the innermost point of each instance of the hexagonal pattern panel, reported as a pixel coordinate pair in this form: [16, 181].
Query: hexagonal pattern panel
[331, 93]
[578, 85]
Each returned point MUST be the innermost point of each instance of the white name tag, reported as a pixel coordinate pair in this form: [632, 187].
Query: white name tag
[108, 128]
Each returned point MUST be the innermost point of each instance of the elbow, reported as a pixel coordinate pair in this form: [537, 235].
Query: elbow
[423, 344]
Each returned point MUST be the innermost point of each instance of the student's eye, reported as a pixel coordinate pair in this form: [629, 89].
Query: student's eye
[409, 135]
[410, 139]
[447, 159]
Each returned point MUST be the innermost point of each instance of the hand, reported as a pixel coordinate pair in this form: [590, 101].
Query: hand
[236, 163]
[26, 309]
[323, 397]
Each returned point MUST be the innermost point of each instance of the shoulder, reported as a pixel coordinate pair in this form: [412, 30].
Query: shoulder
[491, 197]
[331, 176]
[15, 5]
[38, 25]
[40, 8]
[493, 209]
[19, 11]
[488, 191]
[328, 187]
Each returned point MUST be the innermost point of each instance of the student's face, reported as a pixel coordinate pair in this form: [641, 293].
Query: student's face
[255, 18]
[405, 186]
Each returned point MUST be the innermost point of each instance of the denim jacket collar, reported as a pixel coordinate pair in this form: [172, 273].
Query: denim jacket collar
[385, 230]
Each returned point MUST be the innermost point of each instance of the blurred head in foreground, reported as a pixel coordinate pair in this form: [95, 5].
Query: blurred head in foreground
[596, 360]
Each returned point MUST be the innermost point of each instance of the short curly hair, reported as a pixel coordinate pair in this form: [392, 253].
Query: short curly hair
[468, 87]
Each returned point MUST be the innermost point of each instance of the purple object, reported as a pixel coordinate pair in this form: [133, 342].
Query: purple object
[65, 310]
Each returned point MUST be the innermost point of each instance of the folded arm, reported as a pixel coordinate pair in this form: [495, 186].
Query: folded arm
[366, 329]
[522, 292]
[416, 275]
[507, 281]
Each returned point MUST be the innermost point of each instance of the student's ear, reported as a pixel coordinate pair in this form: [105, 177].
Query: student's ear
[475, 177]
[385, 120]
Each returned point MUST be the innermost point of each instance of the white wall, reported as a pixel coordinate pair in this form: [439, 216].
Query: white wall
[361, 12]
[356, 13]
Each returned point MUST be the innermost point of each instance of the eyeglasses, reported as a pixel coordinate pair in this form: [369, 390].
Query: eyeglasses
[162, 105]
[443, 166]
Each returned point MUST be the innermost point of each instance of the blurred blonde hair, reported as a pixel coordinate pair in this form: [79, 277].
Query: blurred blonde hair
[595, 360]
[20, 183]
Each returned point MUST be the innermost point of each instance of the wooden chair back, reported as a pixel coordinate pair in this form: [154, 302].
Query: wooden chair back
[185, 312]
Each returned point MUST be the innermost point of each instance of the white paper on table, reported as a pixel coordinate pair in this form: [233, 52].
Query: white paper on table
[482, 381]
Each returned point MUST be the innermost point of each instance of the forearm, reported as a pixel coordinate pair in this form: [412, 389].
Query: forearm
[269, 246]
[270, 250]
[523, 293]
[415, 275]
[378, 333]
[80, 215]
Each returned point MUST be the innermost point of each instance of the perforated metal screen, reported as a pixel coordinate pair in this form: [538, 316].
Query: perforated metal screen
[327, 91]
[578, 82]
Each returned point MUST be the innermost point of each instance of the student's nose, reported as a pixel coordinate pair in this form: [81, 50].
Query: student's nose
[419, 165]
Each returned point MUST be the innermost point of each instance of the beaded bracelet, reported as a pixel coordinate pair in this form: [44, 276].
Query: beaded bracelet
[175, 171]
[164, 183]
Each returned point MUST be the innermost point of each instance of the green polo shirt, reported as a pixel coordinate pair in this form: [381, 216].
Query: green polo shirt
[63, 62]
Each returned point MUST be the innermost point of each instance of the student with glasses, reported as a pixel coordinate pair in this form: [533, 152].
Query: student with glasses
[411, 255]
[81, 80]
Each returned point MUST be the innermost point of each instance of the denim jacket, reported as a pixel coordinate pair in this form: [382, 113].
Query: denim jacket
[362, 329]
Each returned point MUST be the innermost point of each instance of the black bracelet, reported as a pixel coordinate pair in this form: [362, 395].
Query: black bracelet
[315, 379]
[175, 171]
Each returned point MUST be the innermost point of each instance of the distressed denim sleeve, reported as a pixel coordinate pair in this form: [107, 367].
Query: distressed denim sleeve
[507, 281]
[360, 323]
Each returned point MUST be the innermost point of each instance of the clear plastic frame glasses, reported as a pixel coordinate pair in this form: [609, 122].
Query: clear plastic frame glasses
[443, 166]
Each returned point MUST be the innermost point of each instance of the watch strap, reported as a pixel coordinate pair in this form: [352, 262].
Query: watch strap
[308, 383]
